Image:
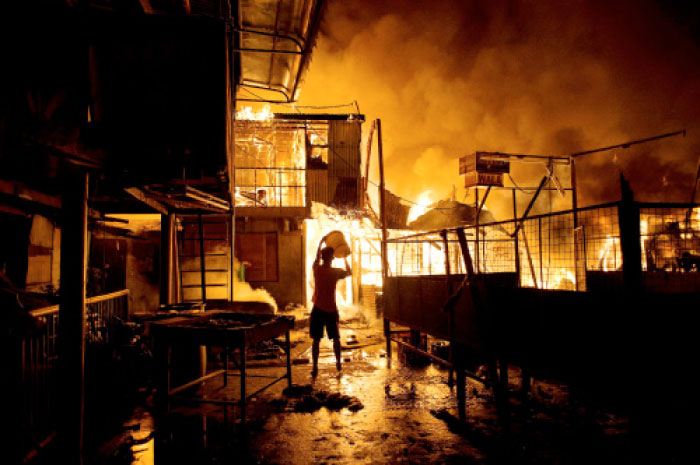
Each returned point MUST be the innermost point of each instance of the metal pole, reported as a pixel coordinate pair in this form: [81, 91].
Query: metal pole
[382, 214]
[382, 199]
[532, 202]
[476, 223]
[515, 240]
[365, 183]
[574, 193]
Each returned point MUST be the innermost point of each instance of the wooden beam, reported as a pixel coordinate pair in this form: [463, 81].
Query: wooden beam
[71, 344]
[18, 189]
[178, 204]
[206, 198]
[12, 210]
[143, 197]
[167, 227]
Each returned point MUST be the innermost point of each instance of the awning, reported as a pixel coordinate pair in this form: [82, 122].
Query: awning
[275, 38]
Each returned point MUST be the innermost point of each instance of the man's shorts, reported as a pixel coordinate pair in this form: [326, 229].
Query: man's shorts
[319, 319]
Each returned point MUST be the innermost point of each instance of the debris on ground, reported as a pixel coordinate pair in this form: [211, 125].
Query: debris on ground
[304, 398]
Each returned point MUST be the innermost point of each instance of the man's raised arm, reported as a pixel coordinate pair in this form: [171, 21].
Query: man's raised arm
[348, 271]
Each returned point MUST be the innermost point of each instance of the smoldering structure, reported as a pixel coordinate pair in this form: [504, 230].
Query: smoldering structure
[577, 295]
[568, 77]
[162, 197]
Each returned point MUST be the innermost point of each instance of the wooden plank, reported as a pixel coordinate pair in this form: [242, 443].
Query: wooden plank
[103, 297]
[17, 189]
[141, 195]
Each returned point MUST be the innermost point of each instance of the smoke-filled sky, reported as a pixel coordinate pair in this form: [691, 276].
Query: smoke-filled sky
[544, 77]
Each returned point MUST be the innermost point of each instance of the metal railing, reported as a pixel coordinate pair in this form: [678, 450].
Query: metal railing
[270, 186]
[568, 250]
[38, 355]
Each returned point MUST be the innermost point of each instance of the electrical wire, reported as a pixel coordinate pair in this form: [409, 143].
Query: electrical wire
[525, 191]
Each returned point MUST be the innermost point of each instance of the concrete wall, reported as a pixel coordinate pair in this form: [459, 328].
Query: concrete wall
[289, 287]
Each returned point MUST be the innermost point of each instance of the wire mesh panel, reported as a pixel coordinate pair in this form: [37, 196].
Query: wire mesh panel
[602, 238]
[424, 255]
[270, 163]
[574, 251]
[271, 187]
[496, 248]
[670, 243]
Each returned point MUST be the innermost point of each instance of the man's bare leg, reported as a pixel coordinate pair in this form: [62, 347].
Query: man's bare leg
[315, 349]
[336, 349]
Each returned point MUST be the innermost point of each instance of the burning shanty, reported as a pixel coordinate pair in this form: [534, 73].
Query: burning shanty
[307, 231]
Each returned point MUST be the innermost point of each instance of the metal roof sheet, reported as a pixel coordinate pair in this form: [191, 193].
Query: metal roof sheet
[275, 38]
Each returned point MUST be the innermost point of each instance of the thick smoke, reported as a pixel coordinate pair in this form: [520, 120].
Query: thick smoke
[448, 78]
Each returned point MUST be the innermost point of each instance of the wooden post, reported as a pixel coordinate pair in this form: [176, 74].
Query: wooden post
[503, 372]
[167, 226]
[525, 370]
[202, 261]
[461, 390]
[450, 316]
[387, 336]
[630, 246]
[382, 214]
[226, 349]
[71, 343]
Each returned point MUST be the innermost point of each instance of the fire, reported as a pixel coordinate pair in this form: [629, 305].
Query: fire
[421, 207]
[365, 242]
[270, 161]
[562, 278]
[247, 113]
[610, 254]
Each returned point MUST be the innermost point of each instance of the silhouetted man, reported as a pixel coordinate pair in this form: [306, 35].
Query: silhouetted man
[325, 311]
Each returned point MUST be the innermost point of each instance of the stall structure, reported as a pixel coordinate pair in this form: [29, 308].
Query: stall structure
[596, 297]
[227, 330]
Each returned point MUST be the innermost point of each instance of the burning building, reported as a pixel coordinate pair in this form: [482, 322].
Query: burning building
[285, 165]
[137, 184]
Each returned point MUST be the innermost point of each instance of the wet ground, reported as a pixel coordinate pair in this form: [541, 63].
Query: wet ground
[397, 414]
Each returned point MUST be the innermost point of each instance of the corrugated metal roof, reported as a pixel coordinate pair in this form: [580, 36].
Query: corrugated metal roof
[275, 38]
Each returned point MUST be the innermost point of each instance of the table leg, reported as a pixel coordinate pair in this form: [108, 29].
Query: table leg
[243, 394]
[225, 366]
[288, 349]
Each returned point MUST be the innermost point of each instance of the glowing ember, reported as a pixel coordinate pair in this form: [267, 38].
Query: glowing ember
[247, 113]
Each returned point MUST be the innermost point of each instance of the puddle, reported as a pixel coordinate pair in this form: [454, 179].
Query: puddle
[407, 415]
